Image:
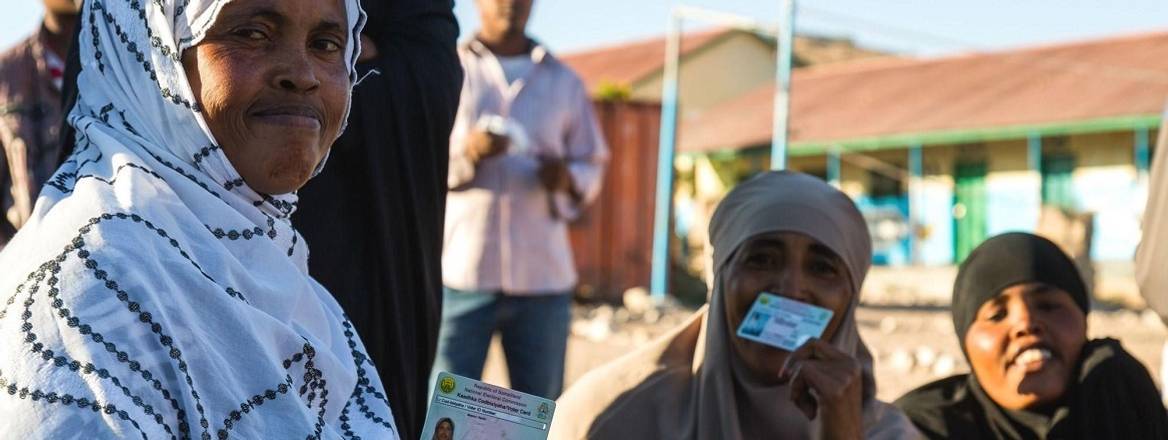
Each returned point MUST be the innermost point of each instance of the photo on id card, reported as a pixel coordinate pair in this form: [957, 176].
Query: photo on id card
[783, 323]
[467, 409]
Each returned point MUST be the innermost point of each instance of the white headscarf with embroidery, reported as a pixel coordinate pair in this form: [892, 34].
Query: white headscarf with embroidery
[154, 294]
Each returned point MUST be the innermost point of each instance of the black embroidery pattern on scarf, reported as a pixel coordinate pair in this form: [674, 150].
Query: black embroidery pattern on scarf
[66, 181]
[182, 172]
[232, 184]
[98, 338]
[132, 48]
[77, 245]
[313, 389]
[286, 208]
[363, 387]
[307, 352]
[59, 181]
[234, 234]
[247, 234]
[204, 153]
[68, 400]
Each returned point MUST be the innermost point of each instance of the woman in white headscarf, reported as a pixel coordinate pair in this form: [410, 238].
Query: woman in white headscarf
[785, 233]
[159, 291]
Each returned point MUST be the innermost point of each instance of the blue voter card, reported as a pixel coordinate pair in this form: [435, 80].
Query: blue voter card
[783, 323]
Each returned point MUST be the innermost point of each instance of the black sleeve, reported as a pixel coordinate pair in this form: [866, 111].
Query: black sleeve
[419, 68]
[6, 228]
[69, 95]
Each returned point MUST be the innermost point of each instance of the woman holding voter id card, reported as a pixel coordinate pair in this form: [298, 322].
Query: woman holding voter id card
[799, 245]
[1020, 312]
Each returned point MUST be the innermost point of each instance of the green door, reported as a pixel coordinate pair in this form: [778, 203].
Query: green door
[1057, 181]
[969, 209]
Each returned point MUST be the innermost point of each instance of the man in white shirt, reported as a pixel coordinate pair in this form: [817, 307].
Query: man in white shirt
[526, 156]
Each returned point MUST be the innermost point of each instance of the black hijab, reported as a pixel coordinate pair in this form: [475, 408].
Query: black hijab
[1112, 395]
[1007, 260]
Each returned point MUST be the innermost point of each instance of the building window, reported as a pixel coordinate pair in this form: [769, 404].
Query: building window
[883, 185]
[1058, 187]
[817, 172]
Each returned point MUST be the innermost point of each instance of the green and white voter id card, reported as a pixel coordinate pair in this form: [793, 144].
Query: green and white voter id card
[783, 323]
[466, 409]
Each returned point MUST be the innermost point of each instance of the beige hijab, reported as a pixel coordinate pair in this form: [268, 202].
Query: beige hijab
[688, 384]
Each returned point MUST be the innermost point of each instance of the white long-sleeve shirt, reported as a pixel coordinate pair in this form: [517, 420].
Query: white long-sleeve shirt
[501, 231]
[1153, 250]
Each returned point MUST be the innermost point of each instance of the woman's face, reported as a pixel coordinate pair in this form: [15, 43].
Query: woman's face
[1024, 345]
[273, 81]
[790, 265]
[444, 431]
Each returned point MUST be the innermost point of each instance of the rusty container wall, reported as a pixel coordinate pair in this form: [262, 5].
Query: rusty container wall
[613, 240]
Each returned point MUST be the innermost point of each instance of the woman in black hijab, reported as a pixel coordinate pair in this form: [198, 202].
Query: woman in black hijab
[373, 217]
[1020, 311]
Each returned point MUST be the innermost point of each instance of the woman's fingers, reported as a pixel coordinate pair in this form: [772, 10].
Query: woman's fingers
[812, 349]
[831, 380]
[821, 378]
[794, 360]
[801, 396]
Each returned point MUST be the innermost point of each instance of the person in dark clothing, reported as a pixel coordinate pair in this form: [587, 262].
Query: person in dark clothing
[1020, 311]
[373, 217]
[31, 79]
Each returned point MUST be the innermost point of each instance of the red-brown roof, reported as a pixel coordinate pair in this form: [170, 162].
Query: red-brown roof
[1114, 77]
[630, 62]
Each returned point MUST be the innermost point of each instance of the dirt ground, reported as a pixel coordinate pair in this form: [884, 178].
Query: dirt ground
[911, 345]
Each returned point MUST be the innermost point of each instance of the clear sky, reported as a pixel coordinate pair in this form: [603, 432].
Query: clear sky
[917, 27]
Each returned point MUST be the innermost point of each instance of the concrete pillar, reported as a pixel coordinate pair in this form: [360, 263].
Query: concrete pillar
[833, 166]
[916, 174]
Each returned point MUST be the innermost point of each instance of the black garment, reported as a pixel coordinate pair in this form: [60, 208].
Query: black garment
[1113, 397]
[1007, 260]
[373, 218]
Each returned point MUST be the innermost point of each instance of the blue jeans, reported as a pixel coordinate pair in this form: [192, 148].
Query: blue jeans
[534, 333]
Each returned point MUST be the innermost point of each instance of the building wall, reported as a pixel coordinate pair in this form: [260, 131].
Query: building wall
[1107, 184]
[934, 206]
[1013, 189]
[724, 70]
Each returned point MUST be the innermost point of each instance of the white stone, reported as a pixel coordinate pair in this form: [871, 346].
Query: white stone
[580, 327]
[925, 356]
[637, 300]
[598, 330]
[888, 325]
[621, 316]
[651, 316]
[603, 312]
[900, 361]
[944, 366]
[1151, 319]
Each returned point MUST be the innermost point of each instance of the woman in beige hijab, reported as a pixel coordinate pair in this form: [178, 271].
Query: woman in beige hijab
[785, 233]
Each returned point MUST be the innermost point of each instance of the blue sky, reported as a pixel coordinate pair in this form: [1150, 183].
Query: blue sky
[917, 27]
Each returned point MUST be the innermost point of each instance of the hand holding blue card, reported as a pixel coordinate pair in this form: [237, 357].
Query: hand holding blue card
[783, 323]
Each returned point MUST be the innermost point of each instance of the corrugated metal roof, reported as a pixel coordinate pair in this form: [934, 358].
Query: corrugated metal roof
[630, 62]
[1106, 79]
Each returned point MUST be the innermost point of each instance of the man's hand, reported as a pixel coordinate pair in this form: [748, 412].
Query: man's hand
[554, 175]
[482, 144]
